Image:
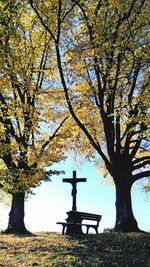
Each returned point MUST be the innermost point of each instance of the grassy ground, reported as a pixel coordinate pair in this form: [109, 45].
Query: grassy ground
[55, 250]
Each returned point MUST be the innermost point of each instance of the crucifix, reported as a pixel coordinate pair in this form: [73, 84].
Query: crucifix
[74, 182]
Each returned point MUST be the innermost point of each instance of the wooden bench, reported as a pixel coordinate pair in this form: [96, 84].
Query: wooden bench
[75, 219]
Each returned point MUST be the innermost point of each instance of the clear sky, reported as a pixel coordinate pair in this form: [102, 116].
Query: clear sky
[53, 199]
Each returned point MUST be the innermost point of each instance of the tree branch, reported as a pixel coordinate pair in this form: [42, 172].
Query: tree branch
[67, 13]
[141, 175]
[41, 20]
[6, 121]
[135, 77]
[53, 135]
[98, 7]
[79, 123]
[141, 159]
[140, 165]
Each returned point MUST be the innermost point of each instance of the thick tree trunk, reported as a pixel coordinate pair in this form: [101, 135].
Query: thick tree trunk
[16, 215]
[125, 221]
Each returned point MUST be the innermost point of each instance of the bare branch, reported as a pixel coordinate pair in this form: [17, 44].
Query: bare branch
[141, 159]
[141, 175]
[142, 164]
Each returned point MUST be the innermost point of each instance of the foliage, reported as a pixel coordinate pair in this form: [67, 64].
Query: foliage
[4, 198]
[31, 119]
[102, 54]
[50, 249]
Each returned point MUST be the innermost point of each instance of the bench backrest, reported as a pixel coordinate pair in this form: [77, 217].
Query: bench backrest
[85, 216]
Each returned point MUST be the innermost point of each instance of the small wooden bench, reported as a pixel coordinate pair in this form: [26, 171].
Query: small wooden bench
[75, 218]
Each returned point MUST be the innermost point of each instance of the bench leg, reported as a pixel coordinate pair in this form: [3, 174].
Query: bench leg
[63, 230]
[87, 230]
[96, 230]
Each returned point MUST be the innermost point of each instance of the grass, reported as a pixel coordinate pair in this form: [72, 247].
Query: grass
[54, 250]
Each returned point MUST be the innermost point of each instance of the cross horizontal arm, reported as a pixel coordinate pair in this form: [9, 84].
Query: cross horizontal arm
[67, 180]
[80, 180]
[77, 180]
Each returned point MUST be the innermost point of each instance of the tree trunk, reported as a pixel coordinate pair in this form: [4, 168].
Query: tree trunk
[125, 221]
[16, 215]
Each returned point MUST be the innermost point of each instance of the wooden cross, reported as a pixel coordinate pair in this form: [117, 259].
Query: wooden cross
[74, 182]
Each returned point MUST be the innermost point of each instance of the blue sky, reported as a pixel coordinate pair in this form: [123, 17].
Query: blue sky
[53, 199]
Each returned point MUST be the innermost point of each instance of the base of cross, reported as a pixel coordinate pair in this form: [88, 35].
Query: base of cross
[74, 223]
[73, 229]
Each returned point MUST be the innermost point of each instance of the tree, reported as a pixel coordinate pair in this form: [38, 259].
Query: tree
[31, 129]
[102, 57]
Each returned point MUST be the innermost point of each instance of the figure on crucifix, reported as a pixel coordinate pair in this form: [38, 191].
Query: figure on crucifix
[74, 182]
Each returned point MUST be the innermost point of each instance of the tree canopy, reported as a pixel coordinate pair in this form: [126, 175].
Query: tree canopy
[102, 56]
[31, 137]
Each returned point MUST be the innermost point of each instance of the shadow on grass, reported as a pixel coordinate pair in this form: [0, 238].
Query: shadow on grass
[103, 250]
[113, 249]
[25, 234]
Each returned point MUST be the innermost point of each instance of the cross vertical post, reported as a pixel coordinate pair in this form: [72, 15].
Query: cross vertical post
[74, 192]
